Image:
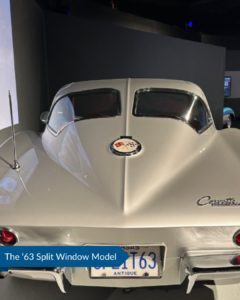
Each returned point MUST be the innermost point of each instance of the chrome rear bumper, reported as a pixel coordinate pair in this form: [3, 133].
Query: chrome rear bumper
[210, 266]
[213, 275]
[57, 275]
[195, 265]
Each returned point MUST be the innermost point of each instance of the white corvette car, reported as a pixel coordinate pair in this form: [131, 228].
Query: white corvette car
[130, 162]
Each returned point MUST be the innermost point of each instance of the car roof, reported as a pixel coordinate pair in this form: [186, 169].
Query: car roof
[136, 83]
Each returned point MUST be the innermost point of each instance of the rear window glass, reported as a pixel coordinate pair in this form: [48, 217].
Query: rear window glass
[98, 103]
[161, 103]
[172, 104]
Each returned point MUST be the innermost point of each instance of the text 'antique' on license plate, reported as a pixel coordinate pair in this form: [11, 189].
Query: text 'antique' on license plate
[143, 261]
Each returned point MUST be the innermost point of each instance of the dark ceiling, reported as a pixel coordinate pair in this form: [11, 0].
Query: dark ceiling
[205, 16]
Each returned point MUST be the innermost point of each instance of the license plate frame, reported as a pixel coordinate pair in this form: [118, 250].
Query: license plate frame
[125, 270]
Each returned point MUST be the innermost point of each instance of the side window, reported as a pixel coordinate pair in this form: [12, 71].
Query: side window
[200, 117]
[62, 114]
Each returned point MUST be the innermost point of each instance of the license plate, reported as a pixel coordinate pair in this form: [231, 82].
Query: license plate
[143, 261]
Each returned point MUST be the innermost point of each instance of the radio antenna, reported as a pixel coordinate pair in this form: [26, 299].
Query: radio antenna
[15, 165]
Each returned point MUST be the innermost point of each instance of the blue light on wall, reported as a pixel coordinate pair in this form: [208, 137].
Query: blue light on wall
[190, 24]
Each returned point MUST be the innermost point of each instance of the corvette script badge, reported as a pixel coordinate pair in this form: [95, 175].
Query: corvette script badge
[208, 201]
[125, 146]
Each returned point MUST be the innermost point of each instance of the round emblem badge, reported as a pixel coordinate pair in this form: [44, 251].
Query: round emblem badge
[125, 146]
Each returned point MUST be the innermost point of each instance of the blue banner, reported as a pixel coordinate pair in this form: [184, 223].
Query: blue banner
[61, 256]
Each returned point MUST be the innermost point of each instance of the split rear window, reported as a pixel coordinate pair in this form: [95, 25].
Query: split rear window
[176, 104]
[90, 104]
[161, 103]
[98, 103]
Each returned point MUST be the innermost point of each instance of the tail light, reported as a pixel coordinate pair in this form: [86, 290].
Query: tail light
[236, 261]
[236, 238]
[7, 237]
